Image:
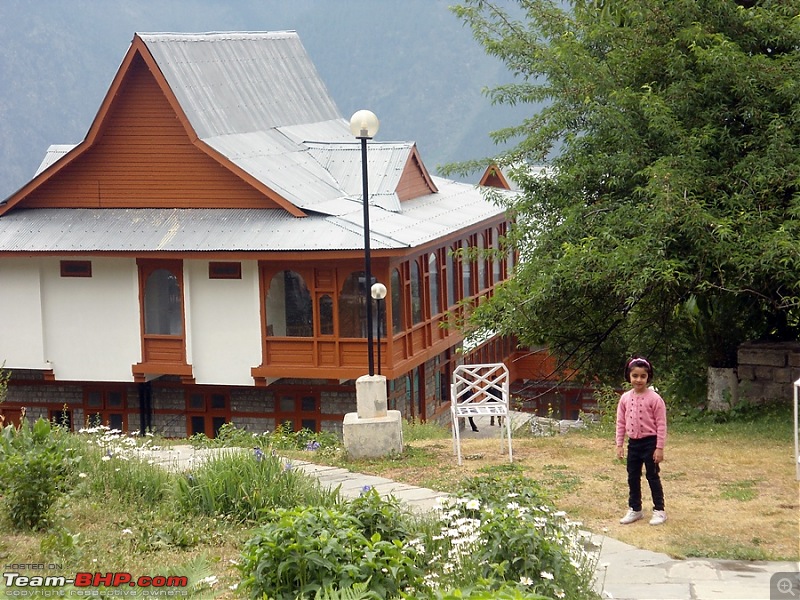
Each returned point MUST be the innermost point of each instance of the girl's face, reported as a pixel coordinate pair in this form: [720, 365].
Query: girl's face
[639, 377]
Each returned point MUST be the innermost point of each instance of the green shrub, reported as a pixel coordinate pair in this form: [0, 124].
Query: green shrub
[382, 516]
[34, 466]
[301, 550]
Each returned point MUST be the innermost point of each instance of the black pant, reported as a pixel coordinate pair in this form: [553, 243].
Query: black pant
[640, 452]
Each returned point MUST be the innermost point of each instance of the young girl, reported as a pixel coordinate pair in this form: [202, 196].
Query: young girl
[642, 416]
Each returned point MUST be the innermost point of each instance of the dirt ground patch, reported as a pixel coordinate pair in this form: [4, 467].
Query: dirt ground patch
[725, 498]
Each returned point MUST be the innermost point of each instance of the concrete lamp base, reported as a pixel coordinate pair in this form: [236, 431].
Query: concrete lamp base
[373, 431]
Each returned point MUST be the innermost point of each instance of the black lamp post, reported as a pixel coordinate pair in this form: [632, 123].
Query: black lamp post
[378, 291]
[364, 125]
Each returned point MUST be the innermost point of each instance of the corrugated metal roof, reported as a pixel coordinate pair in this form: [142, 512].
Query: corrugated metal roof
[456, 206]
[239, 82]
[257, 99]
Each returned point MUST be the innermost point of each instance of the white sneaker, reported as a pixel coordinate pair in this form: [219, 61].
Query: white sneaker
[631, 516]
[659, 516]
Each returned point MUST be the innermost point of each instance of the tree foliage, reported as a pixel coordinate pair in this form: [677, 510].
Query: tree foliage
[670, 223]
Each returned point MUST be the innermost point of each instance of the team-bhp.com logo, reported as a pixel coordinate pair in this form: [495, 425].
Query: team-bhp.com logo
[91, 584]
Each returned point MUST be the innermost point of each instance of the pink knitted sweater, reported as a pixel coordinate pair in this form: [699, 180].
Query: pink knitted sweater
[641, 416]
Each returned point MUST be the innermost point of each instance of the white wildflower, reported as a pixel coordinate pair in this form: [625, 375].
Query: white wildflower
[546, 575]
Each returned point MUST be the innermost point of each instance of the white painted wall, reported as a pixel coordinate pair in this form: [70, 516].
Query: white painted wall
[91, 324]
[223, 324]
[21, 340]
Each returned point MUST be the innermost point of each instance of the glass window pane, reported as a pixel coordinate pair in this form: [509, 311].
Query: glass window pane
[287, 404]
[308, 404]
[309, 424]
[217, 423]
[162, 304]
[452, 279]
[114, 399]
[481, 262]
[217, 401]
[433, 283]
[326, 315]
[115, 421]
[398, 324]
[94, 399]
[197, 402]
[416, 296]
[197, 424]
[289, 306]
[352, 307]
[466, 270]
[496, 273]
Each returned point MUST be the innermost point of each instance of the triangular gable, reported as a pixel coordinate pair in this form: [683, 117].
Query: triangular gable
[141, 151]
[493, 177]
[415, 180]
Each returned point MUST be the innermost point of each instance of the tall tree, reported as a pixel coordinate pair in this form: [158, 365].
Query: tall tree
[669, 224]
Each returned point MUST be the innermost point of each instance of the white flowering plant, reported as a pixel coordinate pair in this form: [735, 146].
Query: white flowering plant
[500, 535]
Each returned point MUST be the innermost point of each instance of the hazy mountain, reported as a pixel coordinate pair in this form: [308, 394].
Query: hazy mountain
[412, 62]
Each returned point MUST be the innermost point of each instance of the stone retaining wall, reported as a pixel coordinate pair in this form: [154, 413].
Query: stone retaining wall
[767, 370]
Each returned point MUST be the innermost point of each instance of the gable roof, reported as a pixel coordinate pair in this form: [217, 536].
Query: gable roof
[252, 105]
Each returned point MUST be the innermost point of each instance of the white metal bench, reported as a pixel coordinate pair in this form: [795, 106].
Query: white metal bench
[480, 390]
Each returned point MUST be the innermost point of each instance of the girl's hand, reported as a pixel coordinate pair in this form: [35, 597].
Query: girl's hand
[620, 452]
[658, 455]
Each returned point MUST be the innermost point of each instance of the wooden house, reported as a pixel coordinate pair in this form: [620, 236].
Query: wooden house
[198, 258]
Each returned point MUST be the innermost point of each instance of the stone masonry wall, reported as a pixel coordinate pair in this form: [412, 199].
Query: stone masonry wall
[767, 370]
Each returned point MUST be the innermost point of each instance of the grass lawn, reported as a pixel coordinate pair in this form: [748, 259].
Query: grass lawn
[730, 488]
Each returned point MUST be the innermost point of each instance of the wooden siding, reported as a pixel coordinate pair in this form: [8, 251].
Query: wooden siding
[413, 183]
[143, 158]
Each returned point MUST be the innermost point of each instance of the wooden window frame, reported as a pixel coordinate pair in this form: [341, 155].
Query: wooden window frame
[224, 270]
[208, 411]
[105, 409]
[76, 268]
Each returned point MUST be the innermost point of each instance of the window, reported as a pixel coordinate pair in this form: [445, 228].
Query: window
[105, 407]
[433, 283]
[352, 307]
[481, 260]
[224, 270]
[76, 268]
[289, 307]
[206, 412]
[398, 323]
[416, 295]
[296, 411]
[325, 315]
[163, 304]
[497, 275]
[61, 417]
[452, 278]
[466, 269]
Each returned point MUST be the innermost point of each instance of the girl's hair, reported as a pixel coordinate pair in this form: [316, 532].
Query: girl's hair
[638, 361]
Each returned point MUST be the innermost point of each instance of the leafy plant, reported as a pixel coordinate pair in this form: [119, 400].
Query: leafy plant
[34, 465]
[300, 550]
